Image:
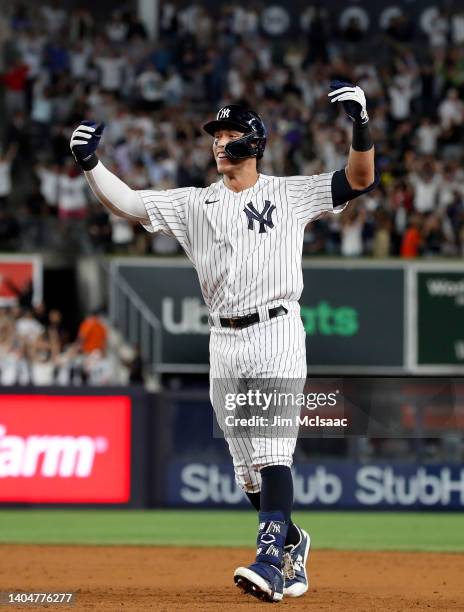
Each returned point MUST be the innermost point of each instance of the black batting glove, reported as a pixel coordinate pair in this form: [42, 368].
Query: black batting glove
[84, 142]
[353, 100]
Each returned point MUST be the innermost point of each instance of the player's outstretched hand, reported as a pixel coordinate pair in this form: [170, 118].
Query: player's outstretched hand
[84, 142]
[353, 99]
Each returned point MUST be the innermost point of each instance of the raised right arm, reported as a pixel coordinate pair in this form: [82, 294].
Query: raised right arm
[113, 193]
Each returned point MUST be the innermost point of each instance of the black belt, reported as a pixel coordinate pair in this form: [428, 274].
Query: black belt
[251, 319]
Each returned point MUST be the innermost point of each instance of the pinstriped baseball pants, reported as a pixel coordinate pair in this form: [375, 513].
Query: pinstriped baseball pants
[273, 352]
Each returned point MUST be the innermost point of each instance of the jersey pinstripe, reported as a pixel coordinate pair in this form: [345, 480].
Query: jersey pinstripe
[270, 355]
[241, 268]
[246, 248]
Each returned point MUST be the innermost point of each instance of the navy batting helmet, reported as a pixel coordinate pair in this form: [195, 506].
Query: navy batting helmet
[242, 119]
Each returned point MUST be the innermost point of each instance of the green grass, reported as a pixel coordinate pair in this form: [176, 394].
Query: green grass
[329, 530]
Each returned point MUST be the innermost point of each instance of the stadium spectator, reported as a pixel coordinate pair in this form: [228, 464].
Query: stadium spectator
[122, 234]
[412, 239]
[27, 328]
[72, 208]
[351, 233]
[451, 110]
[42, 355]
[427, 135]
[48, 175]
[39, 352]
[5, 175]
[92, 334]
[14, 80]
[97, 368]
[426, 185]
[112, 67]
[61, 66]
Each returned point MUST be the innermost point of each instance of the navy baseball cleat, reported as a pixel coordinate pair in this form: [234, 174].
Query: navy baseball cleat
[262, 580]
[294, 566]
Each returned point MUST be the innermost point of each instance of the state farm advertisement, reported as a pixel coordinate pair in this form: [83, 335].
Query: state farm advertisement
[65, 449]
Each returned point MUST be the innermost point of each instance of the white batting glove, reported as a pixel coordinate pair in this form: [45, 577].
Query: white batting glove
[353, 99]
[84, 142]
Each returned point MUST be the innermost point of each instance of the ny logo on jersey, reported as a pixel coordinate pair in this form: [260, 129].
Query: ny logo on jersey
[263, 218]
[223, 113]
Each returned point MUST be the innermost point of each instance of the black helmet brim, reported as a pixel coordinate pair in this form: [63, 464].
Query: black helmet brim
[223, 124]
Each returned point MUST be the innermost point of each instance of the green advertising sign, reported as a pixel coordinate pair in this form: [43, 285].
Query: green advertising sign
[440, 313]
[353, 317]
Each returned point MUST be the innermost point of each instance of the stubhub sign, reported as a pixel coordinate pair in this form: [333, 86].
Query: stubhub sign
[337, 485]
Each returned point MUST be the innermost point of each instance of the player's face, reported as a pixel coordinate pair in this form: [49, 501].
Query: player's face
[221, 138]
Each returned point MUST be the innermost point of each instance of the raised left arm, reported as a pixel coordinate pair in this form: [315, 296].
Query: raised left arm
[360, 171]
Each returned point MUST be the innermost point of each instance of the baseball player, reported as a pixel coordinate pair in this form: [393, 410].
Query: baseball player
[244, 235]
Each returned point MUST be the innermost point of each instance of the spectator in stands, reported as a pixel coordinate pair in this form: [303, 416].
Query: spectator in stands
[35, 350]
[60, 67]
[382, 242]
[351, 233]
[135, 367]
[5, 174]
[42, 355]
[112, 66]
[99, 229]
[401, 93]
[14, 80]
[92, 334]
[427, 137]
[116, 29]
[54, 16]
[98, 368]
[72, 208]
[40, 313]
[48, 175]
[56, 326]
[412, 239]
[27, 328]
[433, 238]
[426, 185]
[150, 86]
[451, 110]
[122, 234]
[438, 28]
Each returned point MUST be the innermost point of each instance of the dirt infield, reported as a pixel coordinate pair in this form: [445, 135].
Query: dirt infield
[169, 579]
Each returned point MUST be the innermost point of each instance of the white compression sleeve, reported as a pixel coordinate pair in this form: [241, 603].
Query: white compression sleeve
[115, 195]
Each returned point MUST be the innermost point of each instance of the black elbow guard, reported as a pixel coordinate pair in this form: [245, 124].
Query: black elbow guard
[342, 191]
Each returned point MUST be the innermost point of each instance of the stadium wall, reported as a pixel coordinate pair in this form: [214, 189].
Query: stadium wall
[361, 317]
[126, 448]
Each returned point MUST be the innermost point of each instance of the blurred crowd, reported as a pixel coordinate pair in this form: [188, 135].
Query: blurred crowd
[36, 348]
[59, 68]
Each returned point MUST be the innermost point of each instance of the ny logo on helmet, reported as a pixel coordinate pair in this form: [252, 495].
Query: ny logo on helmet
[224, 113]
[264, 218]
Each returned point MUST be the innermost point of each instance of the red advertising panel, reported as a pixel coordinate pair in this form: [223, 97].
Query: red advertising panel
[19, 275]
[65, 449]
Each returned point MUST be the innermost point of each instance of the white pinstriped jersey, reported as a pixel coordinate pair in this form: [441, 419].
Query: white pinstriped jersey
[246, 246]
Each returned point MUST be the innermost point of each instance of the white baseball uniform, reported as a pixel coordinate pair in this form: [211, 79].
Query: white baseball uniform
[246, 248]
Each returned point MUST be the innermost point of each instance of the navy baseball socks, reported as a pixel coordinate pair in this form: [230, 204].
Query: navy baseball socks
[264, 578]
[293, 532]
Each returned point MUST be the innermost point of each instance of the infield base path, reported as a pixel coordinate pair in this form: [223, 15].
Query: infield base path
[170, 579]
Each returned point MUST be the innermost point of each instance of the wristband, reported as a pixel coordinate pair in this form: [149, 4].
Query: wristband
[89, 163]
[362, 139]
